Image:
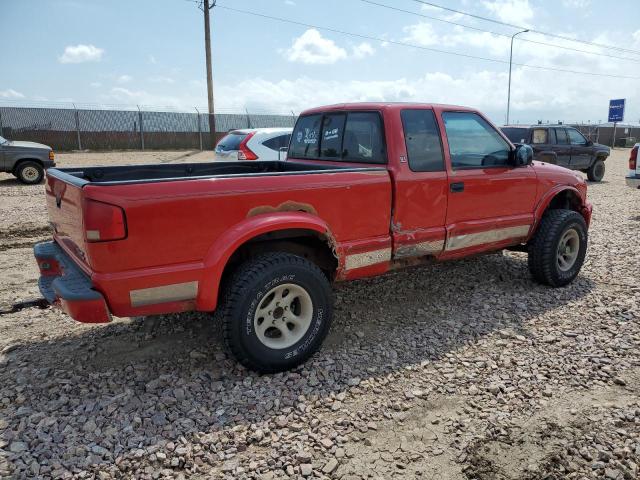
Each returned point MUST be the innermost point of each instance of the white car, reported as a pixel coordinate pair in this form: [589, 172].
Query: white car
[254, 144]
[633, 179]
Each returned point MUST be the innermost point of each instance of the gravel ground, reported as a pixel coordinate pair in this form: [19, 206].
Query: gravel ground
[461, 370]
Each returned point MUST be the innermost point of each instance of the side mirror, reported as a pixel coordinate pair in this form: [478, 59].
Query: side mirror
[523, 155]
[589, 143]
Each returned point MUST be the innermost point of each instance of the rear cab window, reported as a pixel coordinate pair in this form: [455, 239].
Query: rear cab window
[352, 136]
[305, 139]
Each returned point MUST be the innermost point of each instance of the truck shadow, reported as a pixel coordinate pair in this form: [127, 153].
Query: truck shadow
[151, 381]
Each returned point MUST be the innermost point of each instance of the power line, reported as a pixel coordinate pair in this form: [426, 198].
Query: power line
[493, 20]
[419, 47]
[497, 33]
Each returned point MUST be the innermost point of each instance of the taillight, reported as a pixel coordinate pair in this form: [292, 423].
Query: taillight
[52, 155]
[633, 158]
[244, 152]
[103, 222]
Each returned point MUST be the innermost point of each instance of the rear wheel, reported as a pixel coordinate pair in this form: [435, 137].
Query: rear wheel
[595, 173]
[30, 173]
[558, 248]
[276, 312]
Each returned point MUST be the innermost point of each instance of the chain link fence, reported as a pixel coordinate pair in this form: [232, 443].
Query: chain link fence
[72, 128]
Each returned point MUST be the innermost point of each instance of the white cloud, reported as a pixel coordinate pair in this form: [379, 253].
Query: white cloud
[290, 3]
[10, 93]
[161, 79]
[518, 12]
[152, 60]
[124, 79]
[576, 3]
[486, 90]
[636, 38]
[96, 84]
[421, 33]
[81, 53]
[313, 49]
[362, 50]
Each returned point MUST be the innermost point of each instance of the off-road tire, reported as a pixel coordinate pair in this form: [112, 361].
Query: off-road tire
[30, 173]
[543, 247]
[595, 173]
[246, 289]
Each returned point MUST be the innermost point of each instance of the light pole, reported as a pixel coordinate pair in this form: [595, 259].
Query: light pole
[510, 60]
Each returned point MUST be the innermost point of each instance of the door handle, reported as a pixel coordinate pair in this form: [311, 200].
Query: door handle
[456, 187]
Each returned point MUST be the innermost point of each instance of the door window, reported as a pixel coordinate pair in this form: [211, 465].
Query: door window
[305, 140]
[540, 136]
[561, 136]
[422, 139]
[575, 137]
[473, 143]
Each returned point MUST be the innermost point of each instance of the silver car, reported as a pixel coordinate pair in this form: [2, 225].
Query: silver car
[25, 160]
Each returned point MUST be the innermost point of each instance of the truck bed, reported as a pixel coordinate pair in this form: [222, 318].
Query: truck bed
[118, 175]
[181, 222]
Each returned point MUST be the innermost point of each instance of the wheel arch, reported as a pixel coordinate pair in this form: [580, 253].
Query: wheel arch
[564, 197]
[295, 232]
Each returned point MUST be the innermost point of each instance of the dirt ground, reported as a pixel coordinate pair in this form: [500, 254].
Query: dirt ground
[461, 370]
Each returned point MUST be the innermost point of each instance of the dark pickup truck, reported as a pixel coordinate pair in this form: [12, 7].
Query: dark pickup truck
[366, 189]
[562, 145]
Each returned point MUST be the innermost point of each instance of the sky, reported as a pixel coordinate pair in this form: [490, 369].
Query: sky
[142, 52]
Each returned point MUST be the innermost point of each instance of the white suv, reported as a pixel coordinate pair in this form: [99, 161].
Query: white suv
[254, 144]
[633, 179]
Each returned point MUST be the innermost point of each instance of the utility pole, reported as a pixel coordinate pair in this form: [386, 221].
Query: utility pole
[510, 60]
[206, 6]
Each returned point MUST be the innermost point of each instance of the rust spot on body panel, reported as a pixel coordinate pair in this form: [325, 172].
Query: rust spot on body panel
[288, 206]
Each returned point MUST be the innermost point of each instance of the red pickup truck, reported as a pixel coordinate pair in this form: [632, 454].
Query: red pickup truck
[366, 188]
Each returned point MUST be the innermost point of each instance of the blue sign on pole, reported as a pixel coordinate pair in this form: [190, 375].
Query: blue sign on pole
[616, 110]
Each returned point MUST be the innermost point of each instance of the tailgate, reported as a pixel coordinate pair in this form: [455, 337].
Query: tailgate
[64, 205]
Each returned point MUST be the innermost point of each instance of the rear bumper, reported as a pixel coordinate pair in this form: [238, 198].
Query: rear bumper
[63, 284]
[633, 182]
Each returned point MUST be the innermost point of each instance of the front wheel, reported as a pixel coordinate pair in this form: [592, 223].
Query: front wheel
[595, 173]
[276, 312]
[30, 173]
[558, 248]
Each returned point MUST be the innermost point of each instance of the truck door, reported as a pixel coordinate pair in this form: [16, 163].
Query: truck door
[420, 193]
[561, 146]
[581, 150]
[491, 201]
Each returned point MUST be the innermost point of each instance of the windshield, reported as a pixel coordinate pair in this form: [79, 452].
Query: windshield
[3, 140]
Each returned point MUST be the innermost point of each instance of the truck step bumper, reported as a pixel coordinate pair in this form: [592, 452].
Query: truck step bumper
[65, 285]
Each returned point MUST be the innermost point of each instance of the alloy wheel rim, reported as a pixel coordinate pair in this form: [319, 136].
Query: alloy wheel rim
[283, 316]
[30, 173]
[568, 249]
